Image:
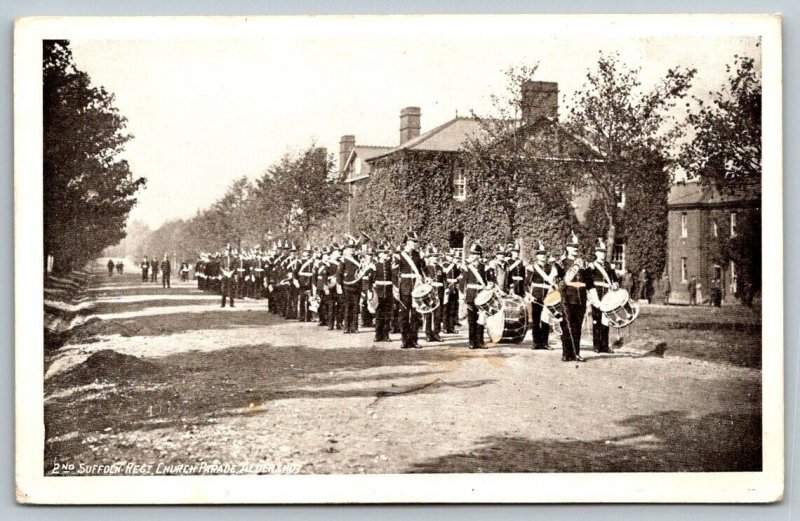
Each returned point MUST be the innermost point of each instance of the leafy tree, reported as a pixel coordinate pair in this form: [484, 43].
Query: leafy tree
[88, 189]
[725, 154]
[726, 150]
[633, 130]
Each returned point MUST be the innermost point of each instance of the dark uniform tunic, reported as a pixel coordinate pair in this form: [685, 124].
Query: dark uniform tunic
[603, 277]
[145, 268]
[335, 298]
[323, 292]
[433, 321]
[349, 279]
[305, 275]
[574, 286]
[473, 280]
[405, 276]
[540, 281]
[367, 318]
[515, 278]
[382, 285]
[166, 271]
[227, 274]
[450, 313]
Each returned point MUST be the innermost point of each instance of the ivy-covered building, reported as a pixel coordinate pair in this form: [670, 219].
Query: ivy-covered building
[703, 223]
[425, 182]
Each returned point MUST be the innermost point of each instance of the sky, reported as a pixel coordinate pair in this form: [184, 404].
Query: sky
[207, 110]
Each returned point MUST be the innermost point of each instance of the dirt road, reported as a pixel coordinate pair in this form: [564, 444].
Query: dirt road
[169, 380]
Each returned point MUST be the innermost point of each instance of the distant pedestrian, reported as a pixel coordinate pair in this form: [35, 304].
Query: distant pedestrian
[145, 265]
[715, 298]
[166, 271]
[120, 266]
[184, 271]
[644, 284]
[667, 286]
[693, 291]
[110, 267]
[153, 270]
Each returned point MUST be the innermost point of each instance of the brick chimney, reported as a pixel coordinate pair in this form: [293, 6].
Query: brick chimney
[539, 100]
[346, 145]
[409, 123]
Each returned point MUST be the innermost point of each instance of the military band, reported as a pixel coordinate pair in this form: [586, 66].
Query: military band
[368, 284]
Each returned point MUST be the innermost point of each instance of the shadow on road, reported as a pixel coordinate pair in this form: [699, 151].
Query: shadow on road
[668, 441]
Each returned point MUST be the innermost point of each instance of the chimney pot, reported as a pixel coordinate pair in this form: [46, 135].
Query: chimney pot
[346, 145]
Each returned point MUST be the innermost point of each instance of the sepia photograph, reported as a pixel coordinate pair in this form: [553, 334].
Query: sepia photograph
[399, 259]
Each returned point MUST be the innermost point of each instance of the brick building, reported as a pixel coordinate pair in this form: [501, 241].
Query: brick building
[700, 218]
[354, 168]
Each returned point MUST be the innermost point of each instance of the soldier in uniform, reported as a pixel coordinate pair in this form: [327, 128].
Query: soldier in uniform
[382, 285]
[451, 274]
[293, 285]
[435, 277]
[348, 278]
[228, 273]
[541, 278]
[605, 280]
[166, 271]
[515, 272]
[305, 275]
[335, 300]
[473, 280]
[396, 307]
[110, 267]
[575, 281]
[367, 318]
[323, 291]
[145, 265]
[405, 277]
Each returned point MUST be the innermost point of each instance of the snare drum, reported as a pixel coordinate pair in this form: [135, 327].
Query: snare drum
[618, 309]
[552, 301]
[425, 299]
[489, 301]
[313, 303]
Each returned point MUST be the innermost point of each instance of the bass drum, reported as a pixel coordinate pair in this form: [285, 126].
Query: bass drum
[511, 324]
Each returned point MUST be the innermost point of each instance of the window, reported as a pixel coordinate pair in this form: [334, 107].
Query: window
[459, 184]
[684, 278]
[717, 272]
[620, 198]
[714, 228]
[733, 224]
[618, 255]
[684, 226]
[734, 278]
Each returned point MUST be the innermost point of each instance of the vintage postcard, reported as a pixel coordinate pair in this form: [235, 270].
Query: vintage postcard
[399, 259]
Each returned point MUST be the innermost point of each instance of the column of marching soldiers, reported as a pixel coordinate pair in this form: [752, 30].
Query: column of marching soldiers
[342, 285]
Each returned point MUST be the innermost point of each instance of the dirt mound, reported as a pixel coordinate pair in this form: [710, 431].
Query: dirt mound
[110, 365]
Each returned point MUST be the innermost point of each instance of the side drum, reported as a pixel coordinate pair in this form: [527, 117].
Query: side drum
[425, 299]
[618, 309]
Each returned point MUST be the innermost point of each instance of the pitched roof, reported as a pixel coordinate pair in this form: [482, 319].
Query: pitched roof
[364, 152]
[448, 137]
[695, 193]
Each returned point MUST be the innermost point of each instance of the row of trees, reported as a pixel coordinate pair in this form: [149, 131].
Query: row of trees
[294, 198]
[88, 189]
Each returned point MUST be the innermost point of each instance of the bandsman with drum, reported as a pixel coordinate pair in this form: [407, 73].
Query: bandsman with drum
[473, 280]
[575, 282]
[541, 278]
[605, 281]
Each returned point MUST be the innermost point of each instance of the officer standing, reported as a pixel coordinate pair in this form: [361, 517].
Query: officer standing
[540, 280]
[335, 300]
[368, 274]
[405, 277]
[382, 286]
[473, 280]
[575, 282]
[515, 272]
[605, 279]
[321, 283]
[228, 274]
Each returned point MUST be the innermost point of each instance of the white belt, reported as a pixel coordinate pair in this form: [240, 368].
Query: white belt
[601, 284]
[452, 280]
[365, 278]
[538, 285]
[383, 282]
[437, 284]
[239, 269]
[259, 269]
[475, 286]
[305, 274]
[408, 276]
[515, 277]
